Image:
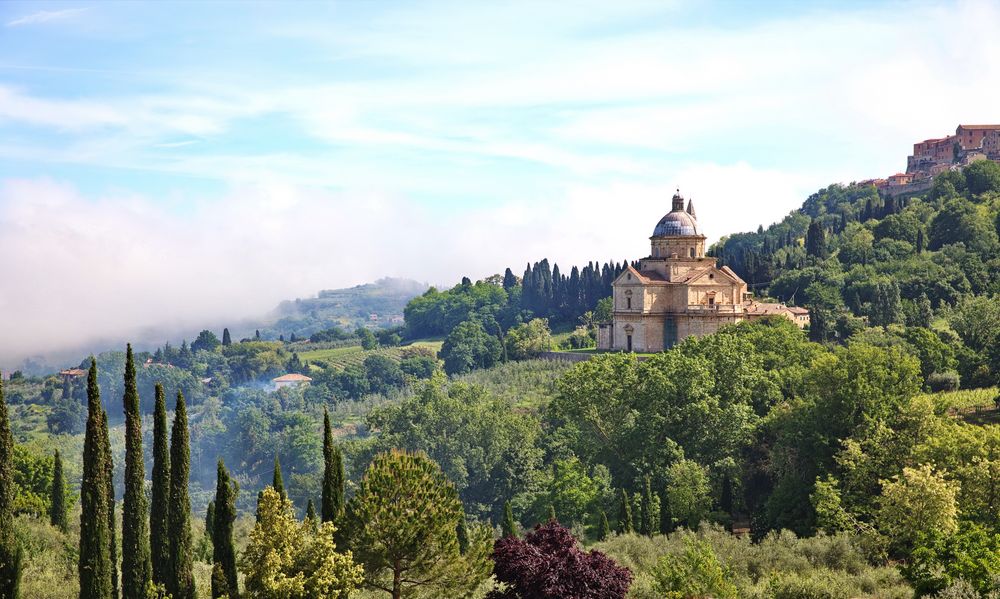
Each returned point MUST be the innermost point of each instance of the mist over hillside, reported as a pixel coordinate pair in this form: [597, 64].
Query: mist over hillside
[371, 304]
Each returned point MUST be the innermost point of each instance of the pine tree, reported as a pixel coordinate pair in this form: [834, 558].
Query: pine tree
[10, 551]
[333, 475]
[625, 514]
[603, 528]
[226, 339]
[180, 583]
[109, 481]
[137, 569]
[95, 557]
[276, 481]
[509, 526]
[57, 503]
[159, 512]
[223, 550]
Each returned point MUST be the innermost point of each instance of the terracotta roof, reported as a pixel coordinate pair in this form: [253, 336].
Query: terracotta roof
[73, 372]
[773, 308]
[989, 127]
[291, 378]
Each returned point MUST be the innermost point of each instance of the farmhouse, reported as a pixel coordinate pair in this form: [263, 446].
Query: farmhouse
[289, 380]
[677, 291]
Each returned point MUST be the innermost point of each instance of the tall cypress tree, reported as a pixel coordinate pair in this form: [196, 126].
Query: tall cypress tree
[603, 528]
[109, 481]
[509, 525]
[333, 475]
[94, 565]
[10, 550]
[57, 498]
[276, 482]
[625, 514]
[137, 569]
[159, 510]
[210, 518]
[311, 511]
[180, 583]
[647, 518]
[226, 339]
[223, 550]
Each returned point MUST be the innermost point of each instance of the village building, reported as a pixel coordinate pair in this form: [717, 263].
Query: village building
[931, 157]
[72, 373]
[678, 291]
[290, 380]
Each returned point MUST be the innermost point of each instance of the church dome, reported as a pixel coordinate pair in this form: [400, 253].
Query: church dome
[677, 222]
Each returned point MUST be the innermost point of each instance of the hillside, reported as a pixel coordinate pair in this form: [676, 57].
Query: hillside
[373, 304]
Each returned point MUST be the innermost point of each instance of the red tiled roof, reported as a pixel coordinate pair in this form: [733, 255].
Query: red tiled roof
[291, 378]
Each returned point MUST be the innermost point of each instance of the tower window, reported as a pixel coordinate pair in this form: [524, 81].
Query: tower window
[628, 303]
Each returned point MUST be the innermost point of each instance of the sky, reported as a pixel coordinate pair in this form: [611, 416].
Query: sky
[181, 165]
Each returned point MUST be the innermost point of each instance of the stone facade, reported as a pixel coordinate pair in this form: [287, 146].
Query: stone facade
[676, 291]
[932, 157]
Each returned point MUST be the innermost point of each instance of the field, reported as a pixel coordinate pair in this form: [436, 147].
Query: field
[342, 357]
[963, 399]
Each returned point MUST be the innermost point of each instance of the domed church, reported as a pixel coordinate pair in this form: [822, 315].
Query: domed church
[677, 291]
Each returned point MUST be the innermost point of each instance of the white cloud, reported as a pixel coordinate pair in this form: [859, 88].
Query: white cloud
[78, 268]
[45, 16]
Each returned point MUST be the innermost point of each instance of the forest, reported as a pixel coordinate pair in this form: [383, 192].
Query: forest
[858, 458]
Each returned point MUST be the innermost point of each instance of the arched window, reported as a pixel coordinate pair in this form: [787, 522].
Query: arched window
[692, 252]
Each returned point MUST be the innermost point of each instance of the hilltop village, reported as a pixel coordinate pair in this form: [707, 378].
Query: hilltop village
[934, 156]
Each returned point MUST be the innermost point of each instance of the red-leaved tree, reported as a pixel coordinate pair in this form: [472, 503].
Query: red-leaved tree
[547, 564]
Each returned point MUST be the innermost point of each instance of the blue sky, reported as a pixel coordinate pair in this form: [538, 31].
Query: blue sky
[260, 151]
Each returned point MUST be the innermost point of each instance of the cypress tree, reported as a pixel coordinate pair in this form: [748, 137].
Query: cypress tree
[509, 526]
[57, 503]
[159, 505]
[220, 586]
[10, 550]
[726, 496]
[223, 550]
[310, 511]
[137, 569]
[333, 475]
[260, 496]
[210, 518]
[552, 513]
[462, 531]
[625, 514]
[666, 518]
[276, 482]
[604, 529]
[109, 480]
[180, 583]
[226, 339]
[94, 565]
[646, 518]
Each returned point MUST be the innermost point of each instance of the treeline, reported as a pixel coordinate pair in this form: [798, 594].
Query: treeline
[542, 292]
[855, 258]
[404, 529]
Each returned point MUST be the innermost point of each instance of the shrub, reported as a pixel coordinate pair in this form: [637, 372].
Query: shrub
[943, 381]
